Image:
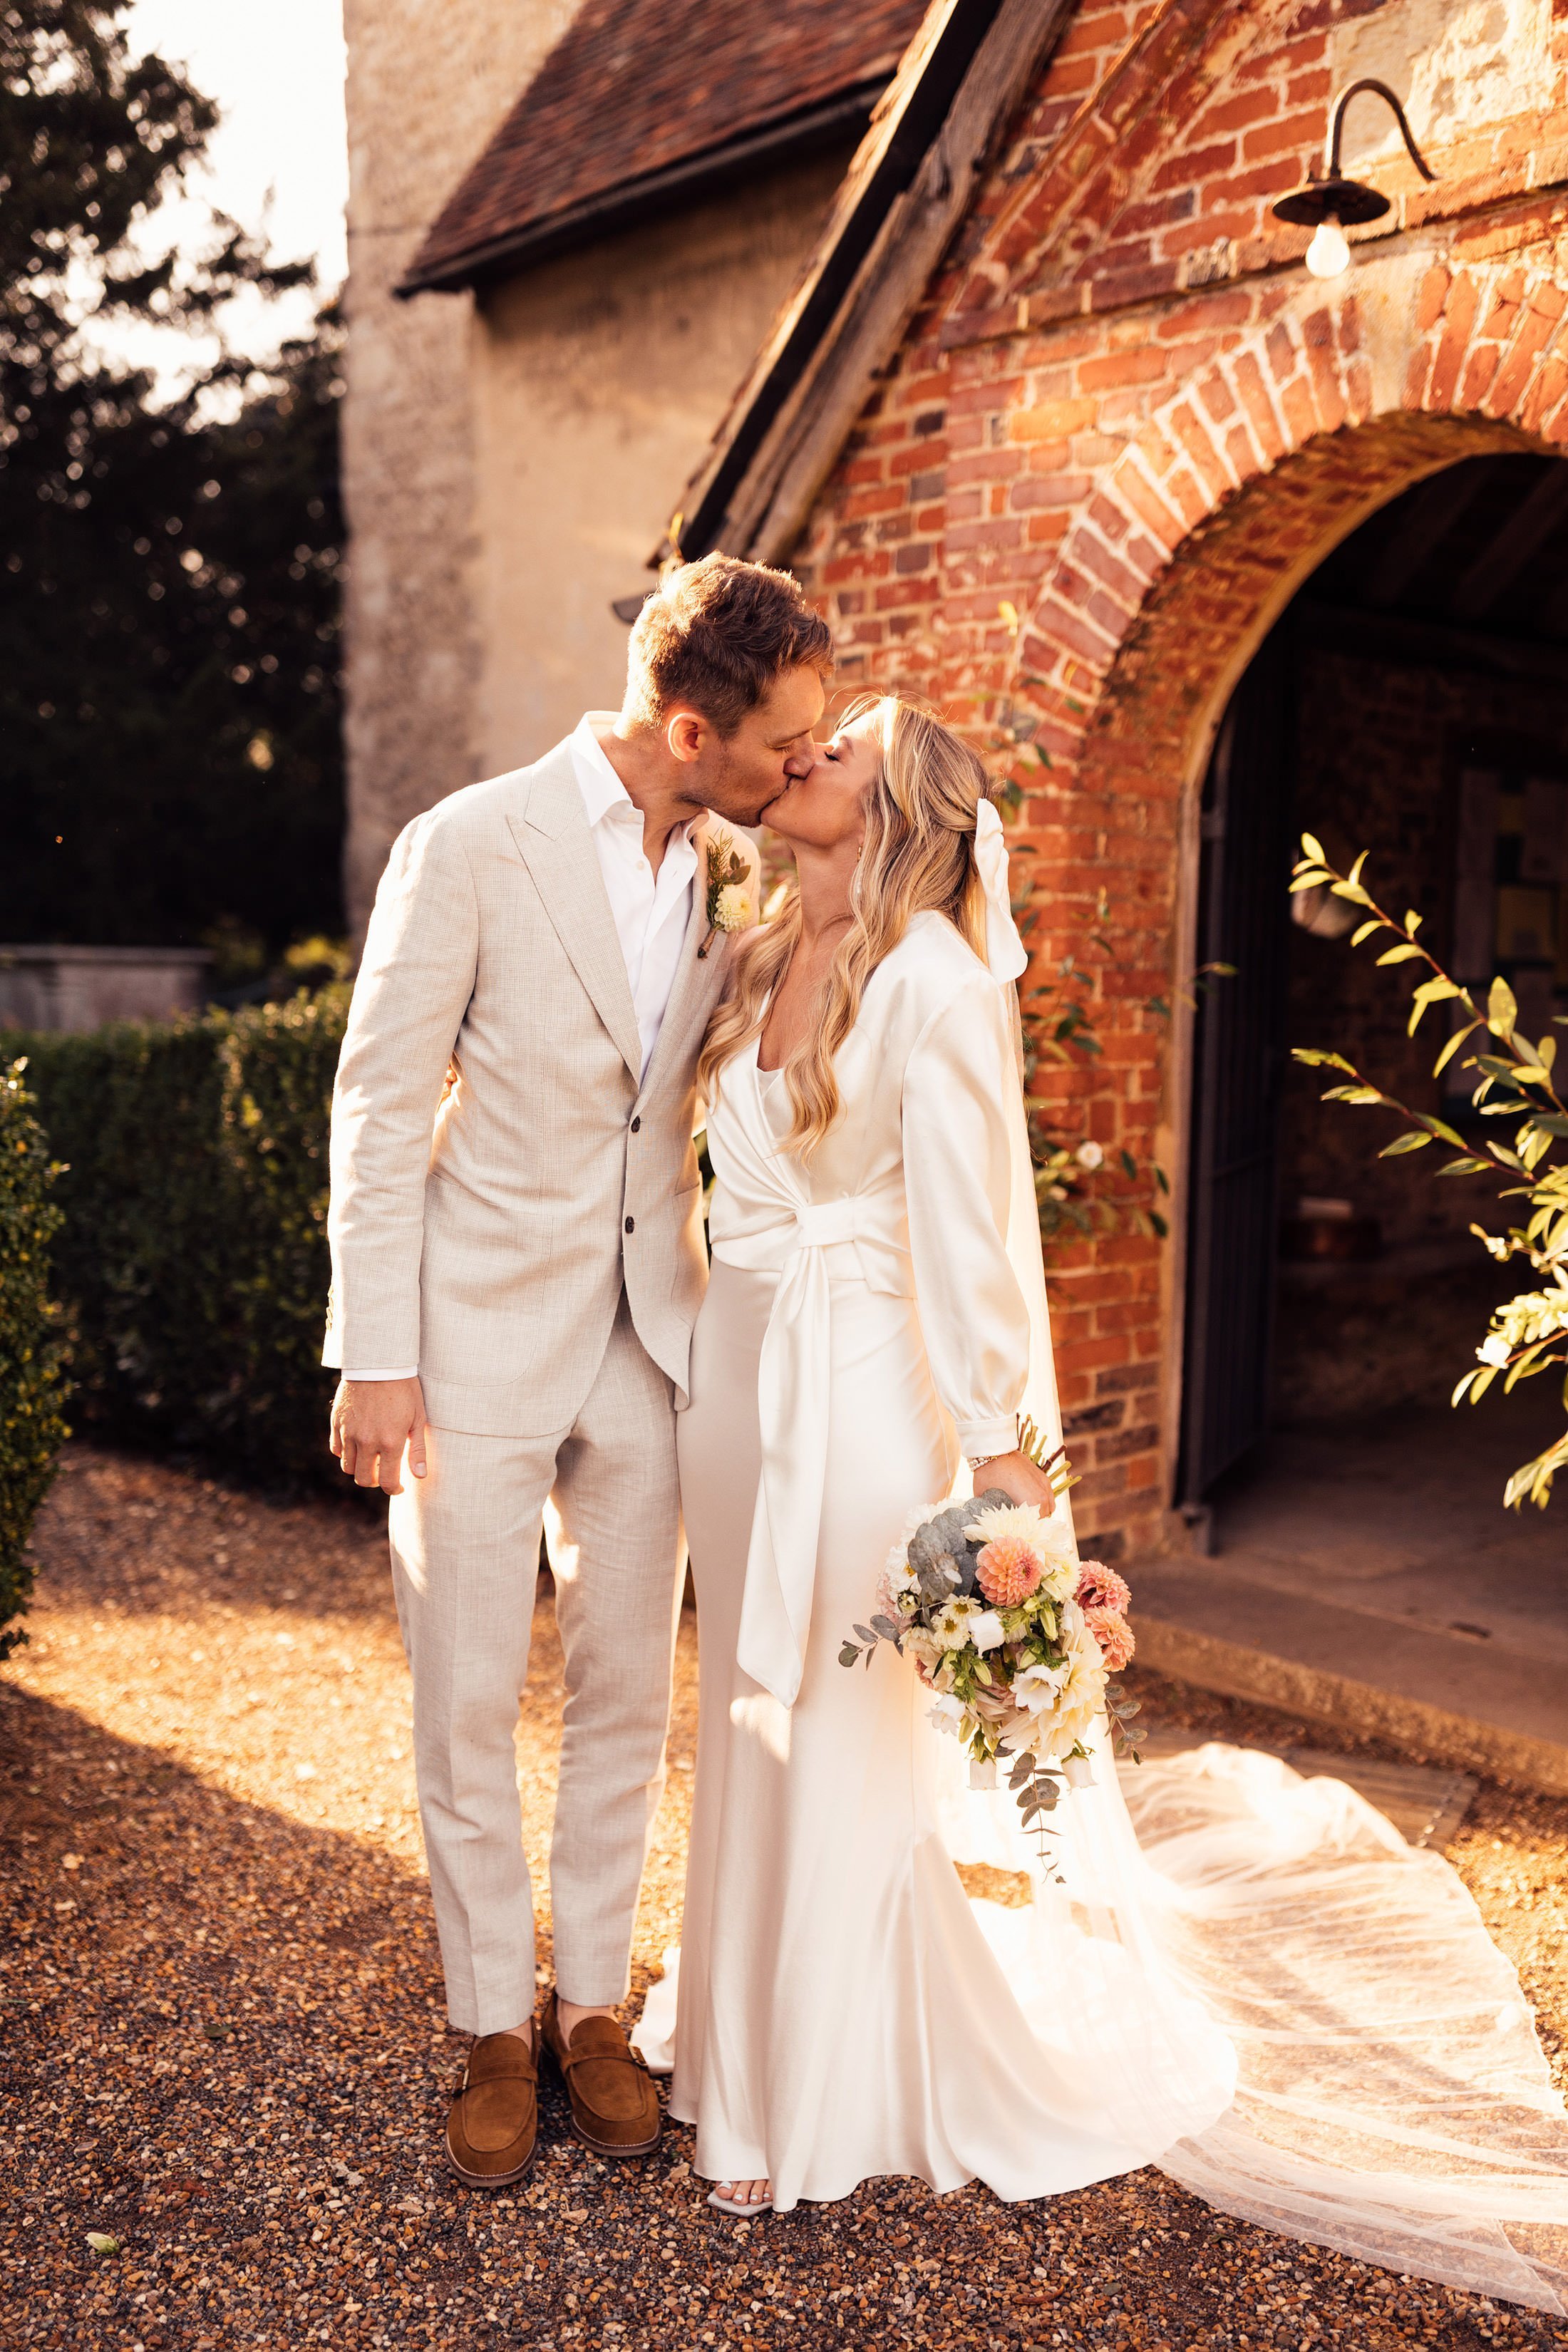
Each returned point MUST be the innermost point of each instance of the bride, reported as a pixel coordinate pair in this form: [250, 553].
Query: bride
[1257, 1986]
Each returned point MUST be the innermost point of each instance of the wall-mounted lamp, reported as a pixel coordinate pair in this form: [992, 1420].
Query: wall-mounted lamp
[1325, 205]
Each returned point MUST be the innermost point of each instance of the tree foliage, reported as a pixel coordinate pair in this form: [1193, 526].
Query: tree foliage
[32, 1384]
[1516, 1082]
[168, 598]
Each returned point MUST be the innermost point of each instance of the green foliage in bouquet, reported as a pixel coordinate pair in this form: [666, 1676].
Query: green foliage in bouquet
[1515, 1081]
[32, 1380]
[193, 1259]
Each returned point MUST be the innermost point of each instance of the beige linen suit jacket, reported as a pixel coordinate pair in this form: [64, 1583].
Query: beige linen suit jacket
[486, 1237]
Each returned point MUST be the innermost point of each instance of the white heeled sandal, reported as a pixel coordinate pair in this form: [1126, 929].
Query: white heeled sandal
[741, 2209]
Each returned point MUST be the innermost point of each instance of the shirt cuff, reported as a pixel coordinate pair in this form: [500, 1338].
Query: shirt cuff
[409, 1373]
[977, 1437]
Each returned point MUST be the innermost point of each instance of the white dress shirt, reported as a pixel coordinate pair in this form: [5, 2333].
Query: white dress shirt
[651, 911]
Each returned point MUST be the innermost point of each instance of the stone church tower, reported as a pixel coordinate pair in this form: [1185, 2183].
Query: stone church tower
[429, 80]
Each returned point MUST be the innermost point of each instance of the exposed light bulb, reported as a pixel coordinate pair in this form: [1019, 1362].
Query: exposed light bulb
[1329, 252]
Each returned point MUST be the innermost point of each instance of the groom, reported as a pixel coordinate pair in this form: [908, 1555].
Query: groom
[516, 1263]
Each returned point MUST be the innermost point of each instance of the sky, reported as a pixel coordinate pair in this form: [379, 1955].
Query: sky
[278, 159]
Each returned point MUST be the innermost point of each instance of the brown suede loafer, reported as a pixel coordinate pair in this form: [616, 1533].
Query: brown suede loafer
[614, 2107]
[494, 2122]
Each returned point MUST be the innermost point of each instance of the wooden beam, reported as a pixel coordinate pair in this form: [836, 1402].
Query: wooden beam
[903, 196]
[1415, 642]
[1522, 536]
[1433, 510]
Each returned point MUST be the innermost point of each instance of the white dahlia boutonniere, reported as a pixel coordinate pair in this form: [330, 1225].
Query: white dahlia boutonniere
[728, 906]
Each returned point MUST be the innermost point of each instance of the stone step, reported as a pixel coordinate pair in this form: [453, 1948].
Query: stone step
[1487, 1707]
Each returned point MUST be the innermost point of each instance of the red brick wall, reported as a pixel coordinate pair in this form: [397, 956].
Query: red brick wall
[1126, 412]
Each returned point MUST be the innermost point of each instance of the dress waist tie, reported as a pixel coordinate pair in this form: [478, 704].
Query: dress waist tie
[793, 1409]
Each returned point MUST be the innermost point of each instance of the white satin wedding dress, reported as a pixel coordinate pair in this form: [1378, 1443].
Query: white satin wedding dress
[1251, 1981]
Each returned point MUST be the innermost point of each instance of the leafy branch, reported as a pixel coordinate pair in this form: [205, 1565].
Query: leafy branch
[1516, 1081]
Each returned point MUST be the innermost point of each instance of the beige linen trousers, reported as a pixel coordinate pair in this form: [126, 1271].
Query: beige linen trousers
[534, 1243]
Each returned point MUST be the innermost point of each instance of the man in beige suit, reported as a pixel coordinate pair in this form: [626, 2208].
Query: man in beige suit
[517, 1262]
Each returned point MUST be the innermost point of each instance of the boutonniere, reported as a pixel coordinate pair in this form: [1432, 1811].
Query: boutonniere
[728, 902]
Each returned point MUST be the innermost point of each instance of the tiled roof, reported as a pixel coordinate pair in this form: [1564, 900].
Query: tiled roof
[640, 93]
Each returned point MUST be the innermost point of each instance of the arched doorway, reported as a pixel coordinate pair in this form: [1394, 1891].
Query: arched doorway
[1411, 700]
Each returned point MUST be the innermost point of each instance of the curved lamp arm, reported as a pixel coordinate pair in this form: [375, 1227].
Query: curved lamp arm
[1336, 128]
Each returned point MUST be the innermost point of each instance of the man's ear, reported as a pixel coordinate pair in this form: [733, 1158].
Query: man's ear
[684, 732]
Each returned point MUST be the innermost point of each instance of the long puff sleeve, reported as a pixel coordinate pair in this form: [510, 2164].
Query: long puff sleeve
[415, 982]
[957, 1183]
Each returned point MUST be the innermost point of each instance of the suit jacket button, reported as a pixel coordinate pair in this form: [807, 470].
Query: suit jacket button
[631, 1224]
[637, 1125]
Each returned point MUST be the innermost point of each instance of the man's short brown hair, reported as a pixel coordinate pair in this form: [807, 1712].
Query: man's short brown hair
[717, 634]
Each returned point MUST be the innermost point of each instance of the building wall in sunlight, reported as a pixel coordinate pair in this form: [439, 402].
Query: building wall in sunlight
[427, 82]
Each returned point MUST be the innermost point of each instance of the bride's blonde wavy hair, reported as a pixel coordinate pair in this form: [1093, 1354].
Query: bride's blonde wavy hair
[918, 853]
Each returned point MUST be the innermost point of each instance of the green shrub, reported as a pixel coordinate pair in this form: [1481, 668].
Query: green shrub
[193, 1256]
[32, 1384]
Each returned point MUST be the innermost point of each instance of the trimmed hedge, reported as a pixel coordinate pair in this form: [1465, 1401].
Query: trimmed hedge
[194, 1255]
[32, 1384]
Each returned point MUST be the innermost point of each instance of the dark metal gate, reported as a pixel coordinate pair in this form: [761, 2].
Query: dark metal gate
[1238, 1063]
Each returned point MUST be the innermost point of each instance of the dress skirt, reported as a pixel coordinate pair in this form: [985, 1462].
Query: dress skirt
[841, 2014]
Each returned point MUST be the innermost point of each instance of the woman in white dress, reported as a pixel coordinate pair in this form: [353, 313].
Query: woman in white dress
[876, 1319]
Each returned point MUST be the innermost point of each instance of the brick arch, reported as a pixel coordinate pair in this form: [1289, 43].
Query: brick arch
[1254, 470]
[1188, 550]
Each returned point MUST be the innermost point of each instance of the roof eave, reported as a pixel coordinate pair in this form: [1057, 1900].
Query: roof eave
[790, 137]
[958, 86]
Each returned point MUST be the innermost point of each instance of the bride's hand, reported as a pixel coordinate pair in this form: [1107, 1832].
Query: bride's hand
[1021, 1480]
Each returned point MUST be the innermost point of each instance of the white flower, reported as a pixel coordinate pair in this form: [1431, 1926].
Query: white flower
[1064, 1701]
[1494, 1349]
[947, 1714]
[1035, 1687]
[1020, 1519]
[1091, 1154]
[951, 1623]
[986, 1630]
[896, 1565]
[1060, 1581]
[731, 909]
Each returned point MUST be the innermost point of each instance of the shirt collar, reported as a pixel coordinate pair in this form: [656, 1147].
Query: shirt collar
[601, 788]
[604, 794]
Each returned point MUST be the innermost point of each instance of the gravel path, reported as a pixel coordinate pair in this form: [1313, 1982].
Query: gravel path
[223, 2048]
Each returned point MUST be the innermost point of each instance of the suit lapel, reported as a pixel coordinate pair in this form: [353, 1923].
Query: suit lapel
[698, 980]
[552, 834]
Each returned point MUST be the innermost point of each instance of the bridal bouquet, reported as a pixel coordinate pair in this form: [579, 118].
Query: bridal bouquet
[1015, 1637]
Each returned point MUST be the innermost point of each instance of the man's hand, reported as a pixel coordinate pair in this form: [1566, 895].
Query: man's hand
[1021, 1480]
[372, 1421]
